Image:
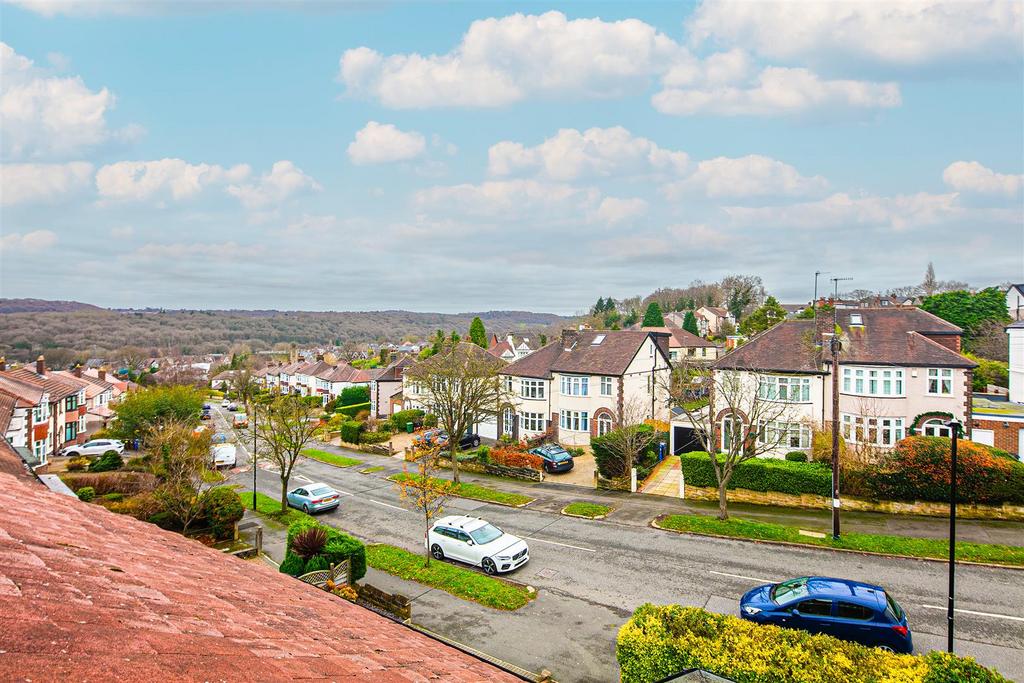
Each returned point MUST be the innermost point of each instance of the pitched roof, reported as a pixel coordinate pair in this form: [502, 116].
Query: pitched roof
[8, 402]
[717, 310]
[609, 357]
[393, 372]
[346, 373]
[787, 347]
[54, 385]
[681, 338]
[29, 392]
[92, 386]
[500, 348]
[87, 594]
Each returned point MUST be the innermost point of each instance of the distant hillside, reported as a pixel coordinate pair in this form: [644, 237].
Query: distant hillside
[43, 305]
[91, 331]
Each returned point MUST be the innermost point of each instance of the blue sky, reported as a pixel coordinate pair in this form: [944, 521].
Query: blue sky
[475, 156]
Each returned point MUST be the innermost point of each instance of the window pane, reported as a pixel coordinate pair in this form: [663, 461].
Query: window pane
[849, 610]
[815, 607]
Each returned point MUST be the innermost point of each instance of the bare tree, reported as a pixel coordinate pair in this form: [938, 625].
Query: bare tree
[243, 383]
[929, 285]
[461, 386]
[285, 427]
[179, 456]
[425, 493]
[741, 419]
[629, 439]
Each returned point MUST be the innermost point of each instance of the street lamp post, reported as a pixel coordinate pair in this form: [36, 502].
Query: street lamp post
[254, 412]
[954, 427]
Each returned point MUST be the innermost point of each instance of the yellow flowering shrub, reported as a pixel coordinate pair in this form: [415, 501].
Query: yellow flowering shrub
[660, 641]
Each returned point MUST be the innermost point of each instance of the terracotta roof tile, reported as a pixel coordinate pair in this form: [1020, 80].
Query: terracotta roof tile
[58, 387]
[89, 595]
[610, 357]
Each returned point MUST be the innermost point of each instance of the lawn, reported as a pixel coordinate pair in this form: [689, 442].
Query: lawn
[459, 581]
[476, 492]
[271, 507]
[591, 510]
[874, 543]
[371, 470]
[330, 458]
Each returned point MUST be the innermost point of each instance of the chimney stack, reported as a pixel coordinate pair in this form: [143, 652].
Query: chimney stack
[77, 371]
[40, 366]
[570, 338]
[3, 364]
[102, 372]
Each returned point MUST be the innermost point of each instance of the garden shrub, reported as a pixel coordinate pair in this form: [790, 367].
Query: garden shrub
[353, 410]
[309, 542]
[483, 454]
[86, 494]
[760, 474]
[513, 457]
[313, 401]
[292, 565]
[354, 396]
[222, 509]
[658, 642]
[796, 456]
[113, 497]
[399, 419]
[350, 431]
[430, 420]
[610, 463]
[129, 483]
[165, 520]
[821, 446]
[374, 437]
[77, 464]
[340, 546]
[316, 563]
[107, 462]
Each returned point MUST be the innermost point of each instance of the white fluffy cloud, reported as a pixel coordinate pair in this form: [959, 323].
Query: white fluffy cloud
[970, 176]
[840, 210]
[193, 251]
[571, 154]
[508, 199]
[910, 33]
[504, 60]
[774, 91]
[379, 143]
[750, 176]
[29, 183]
[37, 240]
[163, 179]
[285, 180]
[44, 116]
[615, 211]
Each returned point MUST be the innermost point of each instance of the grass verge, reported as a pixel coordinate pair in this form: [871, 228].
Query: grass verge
[271, 507]
[476, 492]
[459, 581]
[588, 510]
[330, 458]
[371, 470]
[902, 546]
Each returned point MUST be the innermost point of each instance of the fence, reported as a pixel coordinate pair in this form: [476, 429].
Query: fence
[338, 574]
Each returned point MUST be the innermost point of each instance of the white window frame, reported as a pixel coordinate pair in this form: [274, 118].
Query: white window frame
[791, 435]
[878, 382]
[940, 381]
[531, 422]
[604, 424]
[574, 420]
[506, 423]
[727, 424]
[532, 388]
[606, 386]
[574, 385]
[772, 388]
[873, 431]
[936, 427]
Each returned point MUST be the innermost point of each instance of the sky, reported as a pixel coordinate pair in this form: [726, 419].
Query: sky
[487, 156]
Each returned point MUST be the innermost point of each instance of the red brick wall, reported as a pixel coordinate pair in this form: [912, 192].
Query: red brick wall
[950, 341]
[1005, 437]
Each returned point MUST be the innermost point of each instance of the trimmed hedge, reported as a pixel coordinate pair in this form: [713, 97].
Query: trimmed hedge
[796, 456]
[340, 546]
[353, 409]
[761, 474]
[658, 642]
[399, 419]
[354, 396]
[350, 431]
[374, 437]
[222, 508]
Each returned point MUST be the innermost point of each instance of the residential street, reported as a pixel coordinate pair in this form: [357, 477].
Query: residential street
[591, 575]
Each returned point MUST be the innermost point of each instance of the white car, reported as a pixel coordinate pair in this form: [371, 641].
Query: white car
[476, 542]
[94, 447]
[225, 403]
[224, 455]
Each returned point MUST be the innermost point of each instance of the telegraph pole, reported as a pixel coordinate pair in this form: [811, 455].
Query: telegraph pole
[834, 344]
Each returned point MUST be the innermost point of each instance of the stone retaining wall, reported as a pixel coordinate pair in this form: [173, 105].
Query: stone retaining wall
[393, 603]
[524, 473]
[807, 500]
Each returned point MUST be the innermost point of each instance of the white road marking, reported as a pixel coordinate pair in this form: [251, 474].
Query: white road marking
[387, 505]
[564, 545]
[740, 576]
[304, 478]
[981, 614]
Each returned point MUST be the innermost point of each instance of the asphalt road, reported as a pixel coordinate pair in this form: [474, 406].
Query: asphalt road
[591, 575]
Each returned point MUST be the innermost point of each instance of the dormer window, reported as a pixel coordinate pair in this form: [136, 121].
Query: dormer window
[856, 319]
[597, 340]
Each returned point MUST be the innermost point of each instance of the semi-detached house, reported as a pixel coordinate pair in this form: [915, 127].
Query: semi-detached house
[586, 382]
[900, 373]
[58, 408]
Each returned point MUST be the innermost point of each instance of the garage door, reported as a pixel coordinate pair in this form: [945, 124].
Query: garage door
[985, 436]
[684, 440]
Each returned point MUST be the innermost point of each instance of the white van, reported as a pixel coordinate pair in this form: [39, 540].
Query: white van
[224, 455]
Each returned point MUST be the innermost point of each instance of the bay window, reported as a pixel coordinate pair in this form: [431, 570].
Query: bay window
[786, 434]
[873, 381]
[876, 431]
[940, 382]
[574, 385]
[785, 389]
[574, 420]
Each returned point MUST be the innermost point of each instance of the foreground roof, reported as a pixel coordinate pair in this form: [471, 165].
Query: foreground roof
[89, 595]
[609, 357]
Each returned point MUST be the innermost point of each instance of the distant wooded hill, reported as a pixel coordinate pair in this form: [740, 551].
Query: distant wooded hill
[85, 330]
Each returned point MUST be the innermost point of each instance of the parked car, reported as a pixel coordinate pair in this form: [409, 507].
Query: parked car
[207, 407]
[224, 455]
[468, 440]
[219, 437]
[314, 498]
[94, 447]
[240, 421]
[476, 542]
[232, 407]
[225, 403]
[845, 609]
[556, 458]
[206, 415]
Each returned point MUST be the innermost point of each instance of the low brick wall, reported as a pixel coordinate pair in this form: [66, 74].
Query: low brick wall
[807, 500]
[393, 603]
[377, 448]
[610, 484]
[524, 473]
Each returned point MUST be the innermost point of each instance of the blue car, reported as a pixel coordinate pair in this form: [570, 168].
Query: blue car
[556, 458]
[314, 498]
[850, 610]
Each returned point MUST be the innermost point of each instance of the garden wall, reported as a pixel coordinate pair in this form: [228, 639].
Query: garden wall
[524, 473]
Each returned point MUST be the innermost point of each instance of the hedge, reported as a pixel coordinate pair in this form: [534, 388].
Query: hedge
[222, 509]
[658, 642]
[350, 431]
[374, 437]
[353, 409]
[354, 396]
[340, 547]
[513, 457]
[399, 419]
[609, 462]
[761, 474]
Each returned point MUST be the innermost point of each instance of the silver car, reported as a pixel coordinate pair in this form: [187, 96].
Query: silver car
[314, 498]
[94, 447]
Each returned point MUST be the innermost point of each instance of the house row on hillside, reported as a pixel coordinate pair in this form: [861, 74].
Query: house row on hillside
[43, 410]
[309, 378]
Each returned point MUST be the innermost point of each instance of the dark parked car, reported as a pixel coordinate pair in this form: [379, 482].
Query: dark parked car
[556, 459]
[206, 415]
[845, 609]
[468, 440]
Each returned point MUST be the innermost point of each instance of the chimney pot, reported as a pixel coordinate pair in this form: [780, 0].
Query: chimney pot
[102, 372]
[40, 366]
[570, 338]
[78, 371]
[3, 364]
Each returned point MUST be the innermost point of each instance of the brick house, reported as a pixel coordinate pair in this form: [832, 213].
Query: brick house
[999, 421]
[58, 403]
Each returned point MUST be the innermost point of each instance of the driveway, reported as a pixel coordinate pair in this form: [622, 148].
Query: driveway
[581, 474]
[591, 575]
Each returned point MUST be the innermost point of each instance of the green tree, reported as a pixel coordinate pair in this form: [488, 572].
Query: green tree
[139, 411]
[989, 372]
[477, 333]
[653, 316]
[351, 396]
[690, 323]
[543, 340]
[967, 310]
[763, 317]
[806, 314]
[454, 338]
[630, 318]
[283, 429]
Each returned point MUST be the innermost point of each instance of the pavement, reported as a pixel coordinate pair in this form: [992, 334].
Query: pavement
[591, 575]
